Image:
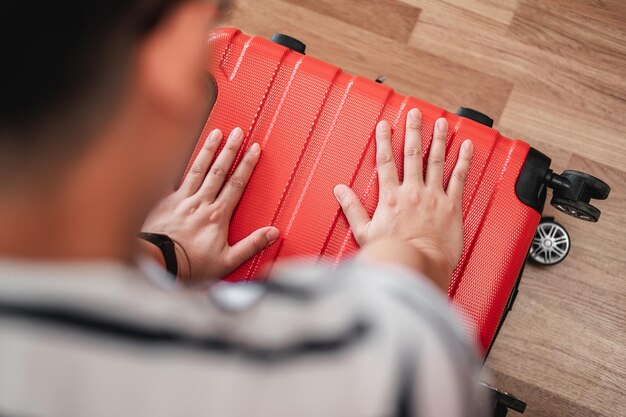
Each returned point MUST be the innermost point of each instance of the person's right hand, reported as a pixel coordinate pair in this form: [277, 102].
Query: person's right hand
[417, 211]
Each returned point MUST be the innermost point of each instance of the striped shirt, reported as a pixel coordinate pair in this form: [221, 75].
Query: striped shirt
[104, 339]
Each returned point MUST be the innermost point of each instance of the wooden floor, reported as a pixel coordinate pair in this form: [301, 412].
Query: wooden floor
[552, 72]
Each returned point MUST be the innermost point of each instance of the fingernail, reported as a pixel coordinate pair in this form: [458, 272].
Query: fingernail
[340, 192]
[415, 115]
[467, 145]
[441, 124]
[254, 149]
[272, 235]
[383, 126]
[214, 135]
[236, 134]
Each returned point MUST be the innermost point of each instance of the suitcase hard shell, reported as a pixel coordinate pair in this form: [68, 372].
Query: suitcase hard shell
[315, 124]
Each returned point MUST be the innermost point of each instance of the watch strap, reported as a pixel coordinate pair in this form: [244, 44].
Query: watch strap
[167, 247]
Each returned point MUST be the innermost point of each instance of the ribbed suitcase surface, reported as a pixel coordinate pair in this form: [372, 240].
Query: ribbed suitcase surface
[315, 125]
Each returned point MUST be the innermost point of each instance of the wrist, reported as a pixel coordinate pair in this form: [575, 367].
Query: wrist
[165, 253]
[151, 250]
[426, 260]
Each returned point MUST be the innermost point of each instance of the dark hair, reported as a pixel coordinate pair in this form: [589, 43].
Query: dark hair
[63, 66]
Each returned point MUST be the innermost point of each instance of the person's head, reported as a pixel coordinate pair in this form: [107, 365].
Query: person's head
[107, 91]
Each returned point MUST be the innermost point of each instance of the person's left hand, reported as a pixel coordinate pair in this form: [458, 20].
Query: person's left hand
[197, 215]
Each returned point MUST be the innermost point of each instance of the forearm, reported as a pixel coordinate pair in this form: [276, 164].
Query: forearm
[399, 252]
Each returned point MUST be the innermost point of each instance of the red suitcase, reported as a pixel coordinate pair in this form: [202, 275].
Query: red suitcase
[315, 125]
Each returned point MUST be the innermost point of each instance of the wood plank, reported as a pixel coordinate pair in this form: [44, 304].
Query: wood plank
[567, 127]
[501, 11]
[584, 36]
[479, 43]
[409, 70]
[542, 402]
[567, 331]
[388, 18]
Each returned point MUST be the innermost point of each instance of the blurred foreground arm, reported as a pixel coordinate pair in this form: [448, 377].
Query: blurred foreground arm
[417, 223]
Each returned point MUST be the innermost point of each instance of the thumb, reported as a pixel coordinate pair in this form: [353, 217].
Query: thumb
[354, 211]
[252, 244]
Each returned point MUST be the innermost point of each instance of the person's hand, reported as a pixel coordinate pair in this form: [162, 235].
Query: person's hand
[417, 211]
[197, 215]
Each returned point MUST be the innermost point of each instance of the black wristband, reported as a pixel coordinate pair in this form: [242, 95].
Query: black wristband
[166, 246]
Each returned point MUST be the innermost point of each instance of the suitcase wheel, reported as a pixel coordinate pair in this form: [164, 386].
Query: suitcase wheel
[573, 191]
[551, 243]
[475, 115]
[289, 42]
[501, 402]
[578, 209]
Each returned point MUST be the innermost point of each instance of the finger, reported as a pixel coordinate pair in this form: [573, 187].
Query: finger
[354, 211]
[387, 173]
[413, 147]
[197, 172]
[214, 180]
[236, 184]
[459, 174]
[437, 155]
[250, 245]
